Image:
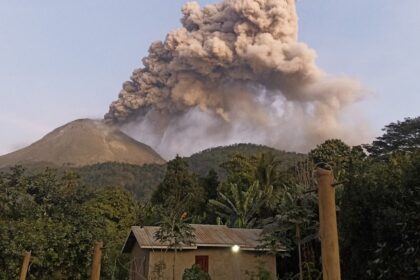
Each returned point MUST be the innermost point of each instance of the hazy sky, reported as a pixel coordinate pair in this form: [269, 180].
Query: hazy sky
[63, 60]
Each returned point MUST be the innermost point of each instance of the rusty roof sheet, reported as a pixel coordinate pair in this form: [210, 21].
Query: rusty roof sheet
[205, 236]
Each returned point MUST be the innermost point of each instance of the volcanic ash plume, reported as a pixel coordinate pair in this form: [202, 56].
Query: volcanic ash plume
[234, 72]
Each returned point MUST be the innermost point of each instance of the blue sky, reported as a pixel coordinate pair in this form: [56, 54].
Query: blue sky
[63, 60]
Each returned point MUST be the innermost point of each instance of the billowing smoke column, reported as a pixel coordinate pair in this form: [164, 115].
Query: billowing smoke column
[234, 72]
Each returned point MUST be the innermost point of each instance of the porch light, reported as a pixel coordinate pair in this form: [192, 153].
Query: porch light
[235, 248]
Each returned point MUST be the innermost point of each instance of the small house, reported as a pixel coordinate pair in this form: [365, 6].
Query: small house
[224, 253]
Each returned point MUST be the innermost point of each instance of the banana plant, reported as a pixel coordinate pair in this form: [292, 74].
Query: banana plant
[239, 208]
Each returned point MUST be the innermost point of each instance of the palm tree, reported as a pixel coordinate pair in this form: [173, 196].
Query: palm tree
[267, 170]
[175, 232]
[267, 174]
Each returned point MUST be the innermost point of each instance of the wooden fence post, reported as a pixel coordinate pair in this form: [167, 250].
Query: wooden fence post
[328, 225]
[96, 261]
[25, 265]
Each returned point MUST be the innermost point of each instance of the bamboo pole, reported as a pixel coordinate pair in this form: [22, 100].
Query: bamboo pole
[25, 265]
[96, 261]
[328, 225]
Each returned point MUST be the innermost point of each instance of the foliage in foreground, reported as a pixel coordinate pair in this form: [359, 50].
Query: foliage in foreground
[59, 219]
[380, 218]
[195, 273]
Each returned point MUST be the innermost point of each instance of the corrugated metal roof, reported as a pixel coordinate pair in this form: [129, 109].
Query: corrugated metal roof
[205, 236]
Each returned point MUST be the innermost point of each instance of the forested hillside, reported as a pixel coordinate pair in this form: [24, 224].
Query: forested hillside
[200, 163]
[142, 180]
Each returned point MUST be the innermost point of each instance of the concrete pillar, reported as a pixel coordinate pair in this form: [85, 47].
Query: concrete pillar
[328, 225]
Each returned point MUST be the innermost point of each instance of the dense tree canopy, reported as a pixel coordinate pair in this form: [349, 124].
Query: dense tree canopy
[333, 154]
[180, 184]
[380, 211]
[59, 219]
[400, 136]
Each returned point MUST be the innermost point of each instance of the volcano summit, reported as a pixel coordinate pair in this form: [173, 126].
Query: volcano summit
[83, 142]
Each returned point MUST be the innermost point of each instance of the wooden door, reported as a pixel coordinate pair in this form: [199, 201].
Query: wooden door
[202, 262]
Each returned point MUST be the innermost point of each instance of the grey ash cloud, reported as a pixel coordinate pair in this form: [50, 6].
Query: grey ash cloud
[235, 72]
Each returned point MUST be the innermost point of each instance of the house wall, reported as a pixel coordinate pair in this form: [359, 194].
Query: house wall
[139, 264]
[223, 263]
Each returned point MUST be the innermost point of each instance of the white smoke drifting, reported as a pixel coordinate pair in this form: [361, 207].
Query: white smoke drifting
[234, 72]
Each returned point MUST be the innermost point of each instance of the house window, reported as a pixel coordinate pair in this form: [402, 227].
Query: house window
[202, 262]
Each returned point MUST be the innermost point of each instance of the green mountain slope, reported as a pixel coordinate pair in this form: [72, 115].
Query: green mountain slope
[142, 180]
[200, 163]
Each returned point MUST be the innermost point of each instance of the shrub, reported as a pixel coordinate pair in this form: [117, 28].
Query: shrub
[195, 273]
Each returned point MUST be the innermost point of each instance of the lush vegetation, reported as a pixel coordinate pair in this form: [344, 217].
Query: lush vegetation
[143, 180]
[58, 219]
[58, 216]
[195, 273]
[380, 206]
[209, 159]
[138, 180]
[377, 196]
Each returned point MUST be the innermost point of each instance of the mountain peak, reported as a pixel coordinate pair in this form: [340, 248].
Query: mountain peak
[83, 142]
